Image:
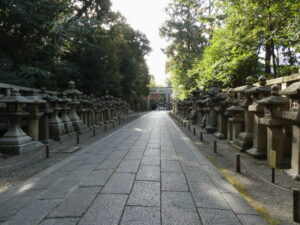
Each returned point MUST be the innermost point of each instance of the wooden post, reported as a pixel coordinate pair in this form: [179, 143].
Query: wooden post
[194, 131]
[201, 136]
[77, 137]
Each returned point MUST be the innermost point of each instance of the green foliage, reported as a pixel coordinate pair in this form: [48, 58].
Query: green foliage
[238, 38]
[49, 42]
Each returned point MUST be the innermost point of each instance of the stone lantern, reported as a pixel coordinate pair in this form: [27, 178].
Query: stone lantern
[259, 148]
[74, 94]
[293, 115]
[231, 100]
[44, 120]
[220, 108]
[57, 129]
[235, 122]
[35, 114]
[15, 140]
[245, 138]
[211, 115]
[273, 109]
[64, 113]
[194, 114]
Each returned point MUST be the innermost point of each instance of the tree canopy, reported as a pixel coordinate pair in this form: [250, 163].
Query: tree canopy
[46, 43]
[238, 39]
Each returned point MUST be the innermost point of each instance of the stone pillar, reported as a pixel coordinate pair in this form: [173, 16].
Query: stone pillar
[295, 162]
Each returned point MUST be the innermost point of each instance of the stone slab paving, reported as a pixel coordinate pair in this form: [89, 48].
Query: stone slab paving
[145, 173]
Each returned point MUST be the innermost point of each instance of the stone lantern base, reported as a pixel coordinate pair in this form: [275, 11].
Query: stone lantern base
[12, 146]
[244, 141]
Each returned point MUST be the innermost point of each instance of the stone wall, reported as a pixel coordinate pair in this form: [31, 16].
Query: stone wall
[261, 119]
[31, 118]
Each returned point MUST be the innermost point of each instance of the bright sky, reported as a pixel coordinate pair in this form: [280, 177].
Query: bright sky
[147, 16]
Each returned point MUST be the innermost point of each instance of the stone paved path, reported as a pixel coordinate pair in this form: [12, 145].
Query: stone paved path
[147, 173]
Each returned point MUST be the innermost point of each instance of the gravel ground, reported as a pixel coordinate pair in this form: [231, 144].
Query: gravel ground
[255, 176]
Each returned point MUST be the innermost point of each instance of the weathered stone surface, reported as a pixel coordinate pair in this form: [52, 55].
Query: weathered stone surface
[109, 164]
[97, 178]
[75, 204]
[218, 217]
[119, 183]
[60, 221]
[33, 213]
[106, 210]
[150, 160]
[173, 182]
[12, 206]
[130, 166]
[134, 215]
[251, 220]
[170, 166]
[145, 193]
[149, 173]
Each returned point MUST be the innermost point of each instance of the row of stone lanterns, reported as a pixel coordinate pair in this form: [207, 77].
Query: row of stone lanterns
[54, 116]
[259, 119]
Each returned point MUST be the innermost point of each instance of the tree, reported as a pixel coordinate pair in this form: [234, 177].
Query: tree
[188, 35]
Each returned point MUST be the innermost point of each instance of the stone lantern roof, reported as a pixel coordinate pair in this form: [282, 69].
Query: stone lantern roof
[15, 97]
[35, 98]
[249, 85]
[72, 90]
[261, 89]
[275, 98]
[293, 89]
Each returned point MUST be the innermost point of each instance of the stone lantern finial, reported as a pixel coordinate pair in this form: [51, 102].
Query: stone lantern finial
[275, 90]
[71, 85]
[262, 80]
[249, 80]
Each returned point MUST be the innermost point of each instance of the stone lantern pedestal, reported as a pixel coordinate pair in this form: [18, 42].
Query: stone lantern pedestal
[273, 108]
[15, 140]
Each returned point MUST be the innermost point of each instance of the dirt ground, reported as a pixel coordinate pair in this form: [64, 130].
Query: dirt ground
[274, 202]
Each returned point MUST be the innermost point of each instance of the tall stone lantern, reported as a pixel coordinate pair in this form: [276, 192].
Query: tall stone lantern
[73, 94]
[211, 122]
[259, 148]
[15, 140]
[64, 113]
[220, 108]
[273, 109]
[293, 115]
[35, 114]
[245, 138]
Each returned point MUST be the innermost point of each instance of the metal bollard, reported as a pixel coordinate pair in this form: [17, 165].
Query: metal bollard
[238, 163]
[47, 151]
[77, 137]
[215, 146]
[273, 175]
[296, 205]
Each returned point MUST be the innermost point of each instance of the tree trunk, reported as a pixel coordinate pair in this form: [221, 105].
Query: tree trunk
[274, 59]
[268, 55]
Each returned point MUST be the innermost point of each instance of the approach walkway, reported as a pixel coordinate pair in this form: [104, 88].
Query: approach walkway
[146, 173]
